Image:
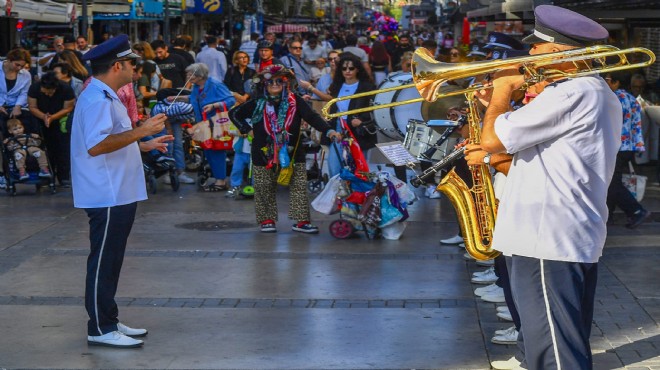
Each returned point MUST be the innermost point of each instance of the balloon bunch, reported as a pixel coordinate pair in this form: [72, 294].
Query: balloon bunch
[384, 24]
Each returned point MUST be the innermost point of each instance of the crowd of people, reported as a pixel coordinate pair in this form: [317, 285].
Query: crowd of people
[267, 86]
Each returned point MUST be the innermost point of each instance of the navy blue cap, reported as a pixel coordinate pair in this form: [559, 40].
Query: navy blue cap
[477, 50]
[498, 40]
[115, 48]
[563, 26]
[265, 44]
[506, 54]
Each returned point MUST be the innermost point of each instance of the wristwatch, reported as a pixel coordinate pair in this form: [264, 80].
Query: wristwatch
[487, 159]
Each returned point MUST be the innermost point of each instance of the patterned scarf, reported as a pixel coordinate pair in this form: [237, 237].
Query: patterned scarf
[275, 123]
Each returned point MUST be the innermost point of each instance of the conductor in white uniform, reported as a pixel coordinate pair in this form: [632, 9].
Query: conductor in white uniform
[108, 181]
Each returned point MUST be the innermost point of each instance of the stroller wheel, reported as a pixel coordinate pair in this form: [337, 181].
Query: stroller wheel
[152, 184]
[341, 229]
[174, 181]
[315, 186]
[193, 161]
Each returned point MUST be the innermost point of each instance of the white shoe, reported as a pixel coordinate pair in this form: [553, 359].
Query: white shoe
[496, 296]
[481, 273]
[453, 240]
[468, 257]
[510, 337]
[504, 331]
[510, 364]
[461, 245]
[502, 309]
[114, 339]
[488, 277]
[485, 290]
[486, 263]
[430, 189]
[185, 179]
[131, 332]
[506, 316]
[435, 194]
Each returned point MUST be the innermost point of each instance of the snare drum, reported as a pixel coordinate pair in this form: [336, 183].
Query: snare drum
[420, 138]
[393, 121]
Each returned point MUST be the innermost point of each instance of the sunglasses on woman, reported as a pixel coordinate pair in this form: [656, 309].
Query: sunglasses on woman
[348, 69]
[277, 82]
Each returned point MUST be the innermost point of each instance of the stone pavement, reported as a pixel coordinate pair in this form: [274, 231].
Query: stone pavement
[217, 294]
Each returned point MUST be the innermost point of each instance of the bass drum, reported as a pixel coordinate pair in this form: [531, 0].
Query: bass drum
[393, 122]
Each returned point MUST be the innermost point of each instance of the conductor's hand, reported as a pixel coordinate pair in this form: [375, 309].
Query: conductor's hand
[158, 143]
[474, 155]
[153, 125]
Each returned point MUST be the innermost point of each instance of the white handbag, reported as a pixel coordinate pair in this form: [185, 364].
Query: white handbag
[636, 184]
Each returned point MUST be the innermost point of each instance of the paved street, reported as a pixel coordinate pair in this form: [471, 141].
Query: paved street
[216, 293]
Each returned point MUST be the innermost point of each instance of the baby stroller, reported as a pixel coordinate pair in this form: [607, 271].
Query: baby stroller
[12, 176]
[156, 167]
[373, 203]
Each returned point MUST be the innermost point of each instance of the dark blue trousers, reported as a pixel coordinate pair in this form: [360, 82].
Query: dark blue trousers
[108, 233]
[555, 301]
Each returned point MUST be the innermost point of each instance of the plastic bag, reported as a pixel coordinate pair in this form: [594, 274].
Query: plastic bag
[326, 201]
[394, 231]
[388, 213]
[403, 190]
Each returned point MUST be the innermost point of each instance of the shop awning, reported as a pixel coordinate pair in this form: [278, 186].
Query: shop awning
[288, 28]
[48, 11]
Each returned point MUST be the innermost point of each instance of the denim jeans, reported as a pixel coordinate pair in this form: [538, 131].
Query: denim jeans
[241, 162]
[176, 147]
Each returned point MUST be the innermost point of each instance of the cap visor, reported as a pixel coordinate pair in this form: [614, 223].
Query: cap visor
[131, 55]
[533, 39]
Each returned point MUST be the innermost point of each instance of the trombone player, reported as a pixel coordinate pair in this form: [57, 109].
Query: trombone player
[553, 213]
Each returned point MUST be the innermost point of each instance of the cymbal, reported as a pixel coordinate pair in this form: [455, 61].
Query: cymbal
[438, 109]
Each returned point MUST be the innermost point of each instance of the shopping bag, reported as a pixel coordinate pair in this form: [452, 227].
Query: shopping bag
[220, 137]
[636, 184]
[201, 131]
[326, 201]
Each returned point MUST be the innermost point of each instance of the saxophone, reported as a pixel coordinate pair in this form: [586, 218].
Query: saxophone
[476, 207]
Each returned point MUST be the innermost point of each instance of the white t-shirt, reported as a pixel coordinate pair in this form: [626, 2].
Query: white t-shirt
[564, 145]
[111, 179]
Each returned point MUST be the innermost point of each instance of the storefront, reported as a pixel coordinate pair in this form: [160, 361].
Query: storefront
[141, 20]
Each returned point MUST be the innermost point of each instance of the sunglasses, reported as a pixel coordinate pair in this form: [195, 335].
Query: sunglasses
[296, 47]
[59, 45]
[333, 59]
[132, 61]
[454, 54]
[276, 82]
[348, 69]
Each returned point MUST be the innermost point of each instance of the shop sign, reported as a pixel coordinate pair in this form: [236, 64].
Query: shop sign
[203, 6]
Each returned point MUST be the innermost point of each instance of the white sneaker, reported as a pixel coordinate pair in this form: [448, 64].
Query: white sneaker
[185, 179]
[506, 316]
[504, 331]
[502, 309]
[453, 240]
[3, 182]
[461, 245]
[481, 273]
[486, 263]
[430, 189]
[485, 290]
[510, 364]
[131, 332]
[435, 194]
[510, 337]
[495, 296]
[488, 277]
[114, 339]
[468, 257]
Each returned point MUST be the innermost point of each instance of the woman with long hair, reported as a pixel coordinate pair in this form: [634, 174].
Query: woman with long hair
[380, 62]
[77, 69]
[150, 68]
[351, 78]
[274, 119]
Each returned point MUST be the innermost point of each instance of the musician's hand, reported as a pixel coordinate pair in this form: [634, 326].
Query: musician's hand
[509, 78]
[484, 96]
[461, 144]
[356, 122]
[474, 155]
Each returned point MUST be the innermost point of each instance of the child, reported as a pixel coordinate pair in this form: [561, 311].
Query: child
[318, 70]
[20, 143]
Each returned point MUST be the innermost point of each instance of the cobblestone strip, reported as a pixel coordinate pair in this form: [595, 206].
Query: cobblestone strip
[264, 255]
[621, 325]
[244, 302]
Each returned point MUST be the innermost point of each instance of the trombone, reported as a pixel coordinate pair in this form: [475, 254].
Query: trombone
[429, 74]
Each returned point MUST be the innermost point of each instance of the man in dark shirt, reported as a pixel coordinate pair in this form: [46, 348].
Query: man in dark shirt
[173, 67]
[178, 48]
[51, 101]
[403, 46]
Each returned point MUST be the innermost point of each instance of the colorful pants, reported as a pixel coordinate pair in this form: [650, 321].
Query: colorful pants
[265, 191]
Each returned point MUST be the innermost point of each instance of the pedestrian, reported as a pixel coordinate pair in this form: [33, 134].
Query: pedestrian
[108, 181]
[553, 212]
[214, 59]
[274, 119]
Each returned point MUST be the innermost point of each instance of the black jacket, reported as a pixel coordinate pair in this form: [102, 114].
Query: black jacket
[365, 133]
[241, 113]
